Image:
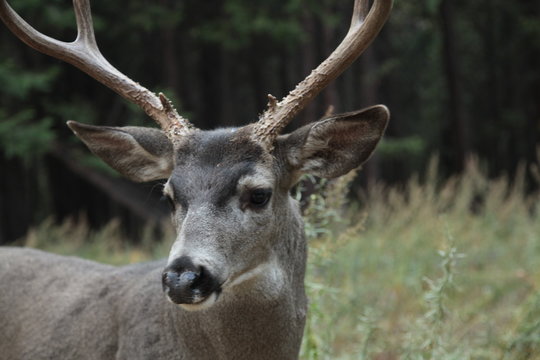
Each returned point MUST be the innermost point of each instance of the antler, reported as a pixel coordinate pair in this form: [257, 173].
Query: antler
[85, 55]
[364, 28]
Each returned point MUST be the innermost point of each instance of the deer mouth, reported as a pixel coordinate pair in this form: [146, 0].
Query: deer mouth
[202, 303]
[195, 302]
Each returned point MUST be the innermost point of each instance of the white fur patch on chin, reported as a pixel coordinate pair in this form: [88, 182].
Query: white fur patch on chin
[205, 304]
[255, 272]
[268, 278]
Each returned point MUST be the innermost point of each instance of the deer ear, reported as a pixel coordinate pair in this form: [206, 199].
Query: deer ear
[334, 146]
[139, 153]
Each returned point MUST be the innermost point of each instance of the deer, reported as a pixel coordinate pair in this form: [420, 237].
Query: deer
[232, 286]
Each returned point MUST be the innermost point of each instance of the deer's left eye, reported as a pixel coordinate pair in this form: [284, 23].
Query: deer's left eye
[259, 197]
[170, 202]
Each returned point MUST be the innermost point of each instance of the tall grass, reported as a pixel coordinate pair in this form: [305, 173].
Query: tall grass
[429, 270]
[107, 245]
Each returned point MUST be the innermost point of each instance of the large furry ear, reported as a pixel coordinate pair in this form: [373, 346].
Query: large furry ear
[333, 146]
[139, 153]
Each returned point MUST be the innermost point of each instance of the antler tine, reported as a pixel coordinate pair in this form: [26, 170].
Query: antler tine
[364, 28]
[85, 55]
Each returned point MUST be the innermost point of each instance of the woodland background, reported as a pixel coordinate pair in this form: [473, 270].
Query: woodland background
[461, 78]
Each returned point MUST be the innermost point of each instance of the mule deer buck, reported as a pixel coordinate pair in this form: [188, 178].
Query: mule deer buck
[233, 284]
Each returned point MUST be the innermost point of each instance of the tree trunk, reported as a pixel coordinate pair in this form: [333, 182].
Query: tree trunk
[309, 55]
[369, 86]
[456, 128]
[330, 94]
[18, 191]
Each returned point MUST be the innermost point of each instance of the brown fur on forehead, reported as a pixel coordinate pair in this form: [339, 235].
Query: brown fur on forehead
[209, 165]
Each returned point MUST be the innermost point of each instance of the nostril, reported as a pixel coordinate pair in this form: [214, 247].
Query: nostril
[167, 279]
[176, 280]
[188, 277]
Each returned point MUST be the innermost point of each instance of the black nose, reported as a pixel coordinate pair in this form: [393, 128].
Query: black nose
[187, 283]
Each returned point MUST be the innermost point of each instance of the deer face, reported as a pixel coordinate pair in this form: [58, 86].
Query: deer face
[223, 192]
[230, 199]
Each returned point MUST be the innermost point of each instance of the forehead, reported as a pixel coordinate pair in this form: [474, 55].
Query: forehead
[212, 162]
[219, 147]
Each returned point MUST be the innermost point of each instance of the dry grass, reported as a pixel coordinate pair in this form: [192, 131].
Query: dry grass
[432, 270]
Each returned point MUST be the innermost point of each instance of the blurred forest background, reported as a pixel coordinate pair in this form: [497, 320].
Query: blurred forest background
[461, 78]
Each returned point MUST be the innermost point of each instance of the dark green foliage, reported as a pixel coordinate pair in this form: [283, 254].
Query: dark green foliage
[24, 134]
[23, 137]
[242, 23]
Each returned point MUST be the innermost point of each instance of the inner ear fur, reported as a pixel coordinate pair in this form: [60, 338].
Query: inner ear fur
[139, 153]
[333, 146]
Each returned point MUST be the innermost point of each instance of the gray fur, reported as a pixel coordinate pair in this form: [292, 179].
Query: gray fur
[54, 307]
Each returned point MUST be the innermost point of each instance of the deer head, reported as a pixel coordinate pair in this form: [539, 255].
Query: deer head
[237, 226]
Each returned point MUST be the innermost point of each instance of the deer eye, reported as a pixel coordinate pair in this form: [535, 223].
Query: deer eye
[259, 197]
[170, 202]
